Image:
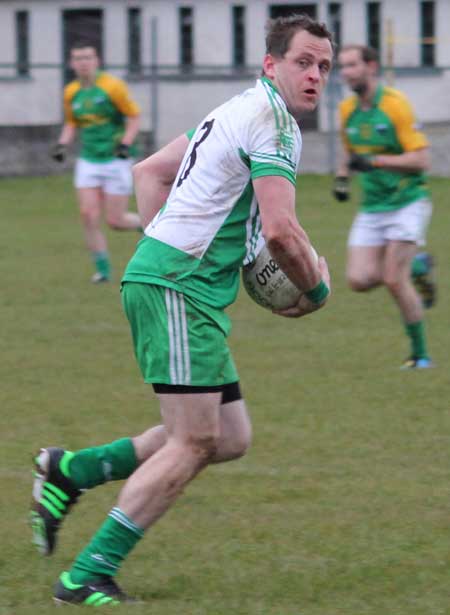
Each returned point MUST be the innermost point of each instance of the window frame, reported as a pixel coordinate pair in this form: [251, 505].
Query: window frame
[427, 32]
[22, 32]
[239, 15]
[374, 38]
[134, 30]
[186, 36]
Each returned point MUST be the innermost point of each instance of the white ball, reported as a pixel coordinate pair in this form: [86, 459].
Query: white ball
[268, 285]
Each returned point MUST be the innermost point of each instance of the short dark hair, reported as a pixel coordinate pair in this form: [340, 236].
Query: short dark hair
[82, 44]
[280, 31]
[368, 54]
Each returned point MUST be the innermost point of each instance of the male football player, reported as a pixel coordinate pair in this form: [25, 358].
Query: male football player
[234, 178]
[98, 106]
[382, 143]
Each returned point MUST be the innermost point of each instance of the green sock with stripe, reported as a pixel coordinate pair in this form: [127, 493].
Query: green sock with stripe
[108, 548]
[416, 334]
[94, 466]
[102, 263]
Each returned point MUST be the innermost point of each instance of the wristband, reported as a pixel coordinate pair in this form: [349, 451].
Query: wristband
[319, 293]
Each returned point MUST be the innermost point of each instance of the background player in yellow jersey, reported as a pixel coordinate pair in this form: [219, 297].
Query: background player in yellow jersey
[99, 108]
[382, 143]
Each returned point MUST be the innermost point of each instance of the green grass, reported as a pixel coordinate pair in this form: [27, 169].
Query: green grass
[342, 504]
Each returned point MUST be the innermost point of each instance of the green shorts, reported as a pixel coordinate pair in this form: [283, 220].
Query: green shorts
[178, 340]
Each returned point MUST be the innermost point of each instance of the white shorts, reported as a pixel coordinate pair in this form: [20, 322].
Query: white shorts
[112, 177]
[408, 223]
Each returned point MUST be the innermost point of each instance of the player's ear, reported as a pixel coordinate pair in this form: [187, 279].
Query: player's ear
[269, 66]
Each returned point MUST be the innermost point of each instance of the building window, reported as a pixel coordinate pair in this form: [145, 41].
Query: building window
[239, 59]
[427, 44]
[334, 21]
[186, 37]
[134, 40]
[22, 44]
[374, 26]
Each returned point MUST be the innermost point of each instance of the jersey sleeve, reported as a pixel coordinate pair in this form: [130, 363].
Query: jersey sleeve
[346, 108]
[405, 123]
[190, 133]
[120, 96]
[273, 144]
[69, 92]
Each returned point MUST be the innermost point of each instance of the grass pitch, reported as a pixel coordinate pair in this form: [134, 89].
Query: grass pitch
[342, 504]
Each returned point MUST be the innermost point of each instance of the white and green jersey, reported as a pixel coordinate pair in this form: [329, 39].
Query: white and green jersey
[210, 225]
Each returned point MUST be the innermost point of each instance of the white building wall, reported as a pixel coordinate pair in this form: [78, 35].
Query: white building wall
[257, 14]
[181, 103]
[212, 33]
[353, 27]
[403, 18]
[443, 33]
[114, 33]
[7, 41]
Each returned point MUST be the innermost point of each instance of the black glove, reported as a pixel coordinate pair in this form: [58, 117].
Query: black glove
[341, 188]
[123, 151]
[58, 152]
[360, 163]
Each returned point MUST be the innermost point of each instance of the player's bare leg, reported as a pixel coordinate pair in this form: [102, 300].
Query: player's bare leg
[117, 460]
[397, 279]
[117, 215]
[235, 435]
[365, 267]
[90, 203]
[192, 424]
[235, 432]
[149, 442]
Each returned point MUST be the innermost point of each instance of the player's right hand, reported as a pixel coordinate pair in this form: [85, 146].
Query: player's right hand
[58, 152]
[361, 163]
[304, 305]
[341, 188]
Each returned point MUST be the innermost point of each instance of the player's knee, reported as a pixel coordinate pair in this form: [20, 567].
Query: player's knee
[393, 283]
[114, 221]
[203, 447]
[240, 444]
[89, 217]
[359, 284]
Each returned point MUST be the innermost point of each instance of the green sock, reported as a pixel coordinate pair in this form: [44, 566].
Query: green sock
[419, 265]
[102, 264]
[108, 548]
[416, 333]
[90, 467]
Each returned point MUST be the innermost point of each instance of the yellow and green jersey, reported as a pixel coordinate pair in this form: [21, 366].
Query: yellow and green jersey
[99, 112]
[388, 127]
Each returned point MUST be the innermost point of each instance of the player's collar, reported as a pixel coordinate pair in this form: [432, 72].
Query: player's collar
[94, 82]
[376, 97]
[271, 84]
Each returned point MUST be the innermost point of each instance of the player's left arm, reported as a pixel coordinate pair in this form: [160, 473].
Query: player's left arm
[341, 181]
[416, 153]
[408, 162]
[132, 126]
[289, 243]
[122, 100]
